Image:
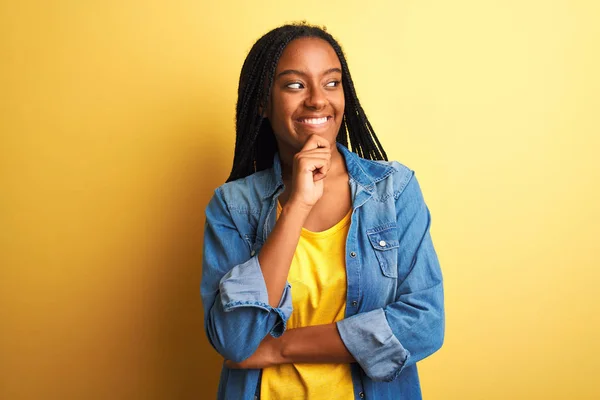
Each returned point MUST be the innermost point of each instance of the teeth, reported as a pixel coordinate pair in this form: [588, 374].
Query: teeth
[315, 121]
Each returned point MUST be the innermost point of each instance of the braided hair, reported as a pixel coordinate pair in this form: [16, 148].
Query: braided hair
[255, 143]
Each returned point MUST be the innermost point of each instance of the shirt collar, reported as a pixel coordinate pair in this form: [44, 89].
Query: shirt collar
[364, 172]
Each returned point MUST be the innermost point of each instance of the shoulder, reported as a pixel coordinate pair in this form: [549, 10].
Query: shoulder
[245, 195]
[392, 175]
[400, 186]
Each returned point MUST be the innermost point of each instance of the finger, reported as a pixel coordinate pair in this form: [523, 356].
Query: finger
[316, 154]
[320, 151]
[305, 162]
[311, 164]
[315, 142]
[318, 175]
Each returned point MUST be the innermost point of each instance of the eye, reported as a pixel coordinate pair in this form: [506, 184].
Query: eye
[294, 85]
[333, 84]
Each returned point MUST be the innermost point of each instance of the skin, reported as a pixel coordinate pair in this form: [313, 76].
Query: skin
[307, 88]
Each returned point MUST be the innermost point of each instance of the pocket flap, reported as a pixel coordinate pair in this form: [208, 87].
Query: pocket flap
[383, 237]
[384, 240]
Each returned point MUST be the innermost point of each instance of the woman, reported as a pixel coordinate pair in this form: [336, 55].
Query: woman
[320, 280]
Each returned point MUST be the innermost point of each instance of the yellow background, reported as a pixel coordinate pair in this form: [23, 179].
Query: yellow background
[116, 122]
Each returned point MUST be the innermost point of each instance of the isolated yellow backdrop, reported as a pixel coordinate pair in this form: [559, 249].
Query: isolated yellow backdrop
[117, 122]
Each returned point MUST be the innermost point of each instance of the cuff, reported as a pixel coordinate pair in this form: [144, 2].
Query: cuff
[369, 338]
[244, 286]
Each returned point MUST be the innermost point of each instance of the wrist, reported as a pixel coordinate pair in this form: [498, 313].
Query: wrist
[296, 209]
[283, 353]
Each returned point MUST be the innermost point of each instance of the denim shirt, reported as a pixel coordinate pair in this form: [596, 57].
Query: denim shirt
[394, 302]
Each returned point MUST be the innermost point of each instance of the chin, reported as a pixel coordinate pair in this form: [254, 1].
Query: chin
[328, 134]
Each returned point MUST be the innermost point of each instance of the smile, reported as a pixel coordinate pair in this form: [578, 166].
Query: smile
[314, 121]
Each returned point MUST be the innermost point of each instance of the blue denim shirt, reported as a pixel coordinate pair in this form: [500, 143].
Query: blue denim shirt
[395, 302]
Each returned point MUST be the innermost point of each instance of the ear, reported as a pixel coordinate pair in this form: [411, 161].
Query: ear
[264, 111]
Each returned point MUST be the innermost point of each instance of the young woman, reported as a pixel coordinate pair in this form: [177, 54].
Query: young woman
[320, 280]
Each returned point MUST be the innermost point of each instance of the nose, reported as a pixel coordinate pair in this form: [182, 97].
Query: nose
[316, 98]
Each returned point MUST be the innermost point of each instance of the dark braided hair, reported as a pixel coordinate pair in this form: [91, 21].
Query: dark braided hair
[255, 143]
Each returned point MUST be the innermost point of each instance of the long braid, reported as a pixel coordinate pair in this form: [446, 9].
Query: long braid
[255, 143]
[361, 132]
[248, 122]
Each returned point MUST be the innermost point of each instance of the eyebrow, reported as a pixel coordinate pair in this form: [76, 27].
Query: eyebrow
[301, 73]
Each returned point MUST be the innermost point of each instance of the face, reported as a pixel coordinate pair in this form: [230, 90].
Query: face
[307, 96]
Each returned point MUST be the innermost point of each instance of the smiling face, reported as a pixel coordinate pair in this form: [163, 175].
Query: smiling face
[307, 96]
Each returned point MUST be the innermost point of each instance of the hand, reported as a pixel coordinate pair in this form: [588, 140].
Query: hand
[311, 165]
[268, 353]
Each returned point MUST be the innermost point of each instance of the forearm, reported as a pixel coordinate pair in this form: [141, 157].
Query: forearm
[314, 344]
[277, 253]
[236, 335]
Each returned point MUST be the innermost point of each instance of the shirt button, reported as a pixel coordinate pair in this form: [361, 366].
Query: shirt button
[382, 243]
[353, 254]
[354, 303]
[252, 253]
[362, 395]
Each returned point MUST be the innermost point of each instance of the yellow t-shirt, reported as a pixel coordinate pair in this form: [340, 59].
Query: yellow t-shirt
[318, 279]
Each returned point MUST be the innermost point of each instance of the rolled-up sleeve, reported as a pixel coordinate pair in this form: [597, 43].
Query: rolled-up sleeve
[237, 314]
[370, 339]
[244, 286]
[384, 341]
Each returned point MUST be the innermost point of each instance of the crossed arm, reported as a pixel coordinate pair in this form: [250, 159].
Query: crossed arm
[312, 344]
[245, 325]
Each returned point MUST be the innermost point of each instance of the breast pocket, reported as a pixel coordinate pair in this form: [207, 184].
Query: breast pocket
[384, 240]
